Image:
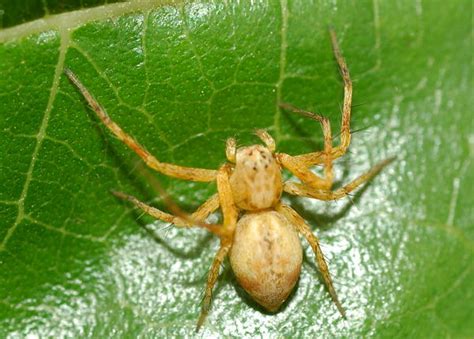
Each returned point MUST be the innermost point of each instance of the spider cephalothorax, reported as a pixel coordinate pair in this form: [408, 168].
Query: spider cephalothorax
[256, 178]
[258, 230]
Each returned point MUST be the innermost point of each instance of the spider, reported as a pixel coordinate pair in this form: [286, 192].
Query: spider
[258, 232]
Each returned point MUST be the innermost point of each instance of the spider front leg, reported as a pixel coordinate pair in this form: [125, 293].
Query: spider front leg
[299, 168]
[181, 172]
[322, 194]
[316, 158]
[301, 226]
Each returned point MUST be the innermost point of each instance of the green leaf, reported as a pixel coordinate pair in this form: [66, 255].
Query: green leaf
[75, 261]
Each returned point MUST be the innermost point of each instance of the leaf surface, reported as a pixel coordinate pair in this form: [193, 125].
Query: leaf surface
[181, 79]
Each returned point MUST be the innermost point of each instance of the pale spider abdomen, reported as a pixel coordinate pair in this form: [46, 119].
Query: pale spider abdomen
[256, 180]
[266, 257]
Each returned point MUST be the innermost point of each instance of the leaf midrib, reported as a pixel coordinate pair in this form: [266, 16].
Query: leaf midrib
[69, 21]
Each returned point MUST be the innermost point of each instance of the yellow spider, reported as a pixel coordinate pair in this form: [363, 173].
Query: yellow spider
[258, 230]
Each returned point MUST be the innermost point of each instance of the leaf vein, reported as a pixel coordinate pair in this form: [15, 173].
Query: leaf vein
[65, 38]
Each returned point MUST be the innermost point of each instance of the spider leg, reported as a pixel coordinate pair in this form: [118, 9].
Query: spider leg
[304, 229]
[322, 194]
[230, 214]
[299, 168]
[211, 281]
[346, 108]
[195, 219]
[315, 158]
[186, 173]
[304, 174]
